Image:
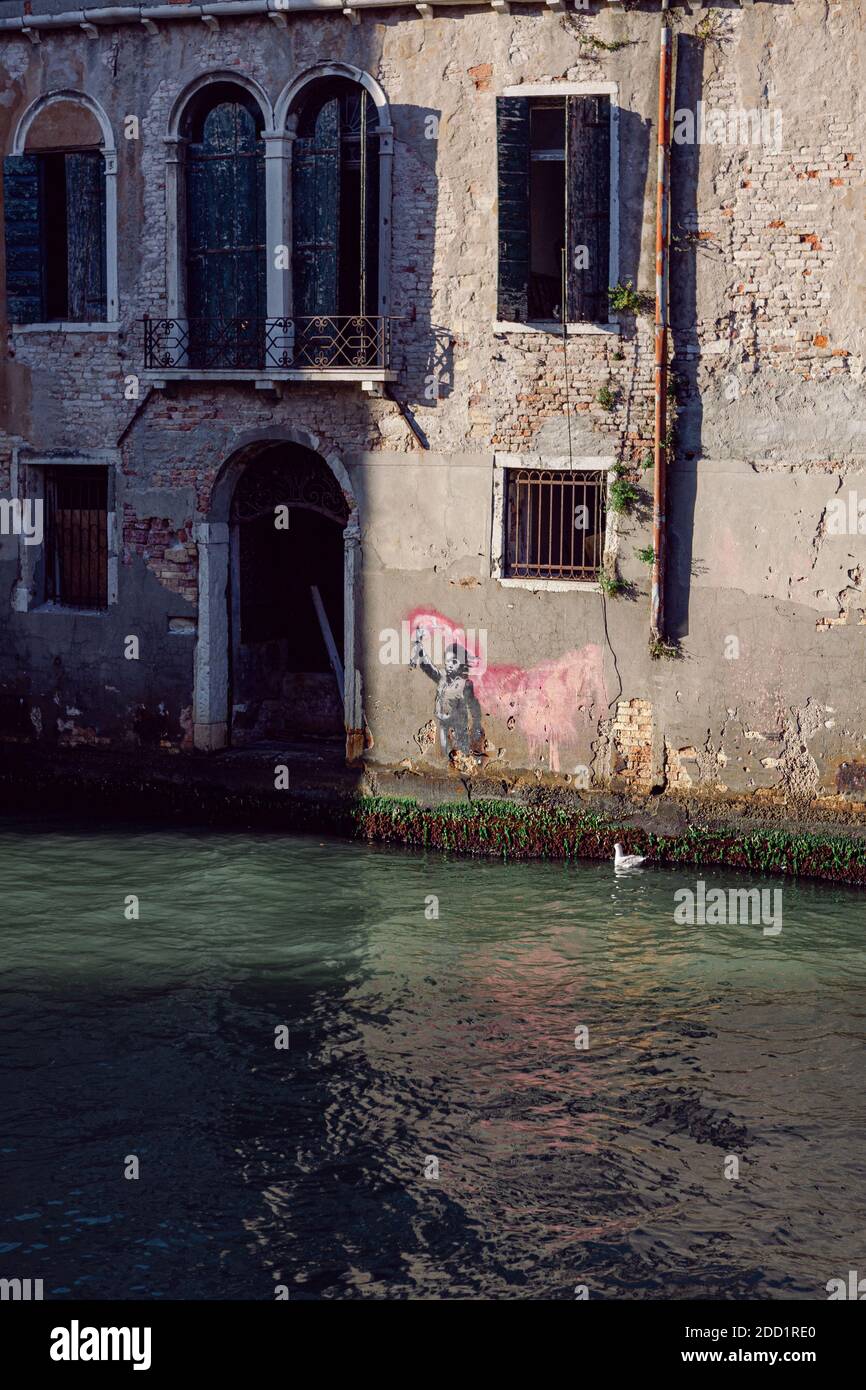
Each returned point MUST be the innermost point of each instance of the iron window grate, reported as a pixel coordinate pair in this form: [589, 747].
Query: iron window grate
[76, 537]
[555, 523]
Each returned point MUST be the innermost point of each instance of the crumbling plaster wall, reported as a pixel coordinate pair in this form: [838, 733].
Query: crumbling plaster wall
[766, 699]
[767, 298]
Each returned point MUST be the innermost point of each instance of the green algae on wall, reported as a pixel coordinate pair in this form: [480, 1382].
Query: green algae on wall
[535, 832]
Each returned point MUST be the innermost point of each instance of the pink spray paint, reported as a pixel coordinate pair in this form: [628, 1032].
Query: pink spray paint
[551, 703]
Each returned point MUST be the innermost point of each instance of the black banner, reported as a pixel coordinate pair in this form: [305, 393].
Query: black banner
[160, 1339]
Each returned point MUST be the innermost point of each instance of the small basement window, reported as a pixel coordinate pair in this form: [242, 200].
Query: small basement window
[76, 537]
[555, 523]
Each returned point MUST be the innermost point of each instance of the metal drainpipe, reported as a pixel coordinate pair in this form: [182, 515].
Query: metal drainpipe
[663, 227]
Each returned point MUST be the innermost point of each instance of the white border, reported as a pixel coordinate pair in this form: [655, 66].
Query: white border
[555, 463]
[564, 89]
[25, 598]
[109, 158]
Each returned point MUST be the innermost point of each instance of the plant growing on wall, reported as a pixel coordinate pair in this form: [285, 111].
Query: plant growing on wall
[610, 584]
[606, 398]
[625, 299]
[646, 555]
[622, 496]
[601, 46]
[710, 28]
[660, 650]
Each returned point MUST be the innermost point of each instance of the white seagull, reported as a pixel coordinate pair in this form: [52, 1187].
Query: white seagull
[627, 861]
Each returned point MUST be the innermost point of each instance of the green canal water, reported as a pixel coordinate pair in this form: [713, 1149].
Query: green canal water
[418, 1044]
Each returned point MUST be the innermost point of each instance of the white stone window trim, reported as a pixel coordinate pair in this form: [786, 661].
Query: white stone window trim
[554, 327]
[27, 479]
[56, 326]
[531, 90]
[109, 157]
[502, 464]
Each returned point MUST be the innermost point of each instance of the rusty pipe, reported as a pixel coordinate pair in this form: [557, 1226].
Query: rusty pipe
[660, 375]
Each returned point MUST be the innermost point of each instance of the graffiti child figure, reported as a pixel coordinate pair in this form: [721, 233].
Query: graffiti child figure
[457, 710]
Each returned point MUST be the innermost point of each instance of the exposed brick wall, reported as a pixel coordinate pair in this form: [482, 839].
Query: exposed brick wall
[168, 554]
[632, 745]
[763, 285]
[768, 219]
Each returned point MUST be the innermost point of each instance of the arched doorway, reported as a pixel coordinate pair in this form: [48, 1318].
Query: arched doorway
[220, 588]
[287, 520]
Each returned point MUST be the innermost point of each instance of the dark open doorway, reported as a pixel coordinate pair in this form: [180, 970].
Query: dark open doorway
[287, 521]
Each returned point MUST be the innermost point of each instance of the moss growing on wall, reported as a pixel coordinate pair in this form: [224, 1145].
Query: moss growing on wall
[504, 829]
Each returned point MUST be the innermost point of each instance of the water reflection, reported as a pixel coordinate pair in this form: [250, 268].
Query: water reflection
[414, 1040]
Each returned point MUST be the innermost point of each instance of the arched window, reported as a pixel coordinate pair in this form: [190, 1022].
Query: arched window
[225, 226]
[60, 214]
[335, 201]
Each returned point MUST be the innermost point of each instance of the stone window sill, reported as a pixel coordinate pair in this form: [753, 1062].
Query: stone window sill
[64, 327]
[554, 327]
[267, 378]
[69, 610]
[555, 586]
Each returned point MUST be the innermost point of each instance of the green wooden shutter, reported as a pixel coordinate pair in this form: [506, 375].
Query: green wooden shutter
[85, 242]
[370, 229]
[226, 267]
[587, 154]
[316, 214]
[23, 227]
[512, 147]
[248, 213]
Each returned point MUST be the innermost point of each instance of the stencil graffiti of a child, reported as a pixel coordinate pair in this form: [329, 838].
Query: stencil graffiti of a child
[458, 713]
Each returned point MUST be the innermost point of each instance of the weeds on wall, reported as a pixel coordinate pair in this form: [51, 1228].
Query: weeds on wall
[625, 299]
[610, 584]
[513, 831]
[660, 650]
[710, 28]
[601, 45]
[622, 496]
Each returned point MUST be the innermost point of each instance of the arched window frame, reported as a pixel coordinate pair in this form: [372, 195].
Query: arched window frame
[109, 157]
[286, 111]
[279, 129]
[175, 194]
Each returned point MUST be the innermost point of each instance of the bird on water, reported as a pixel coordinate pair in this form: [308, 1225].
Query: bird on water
[626, 861]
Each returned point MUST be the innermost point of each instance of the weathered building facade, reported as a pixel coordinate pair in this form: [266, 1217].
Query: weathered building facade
[285, 365]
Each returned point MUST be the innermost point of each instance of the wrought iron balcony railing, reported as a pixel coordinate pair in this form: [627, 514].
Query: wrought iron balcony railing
[325, 342]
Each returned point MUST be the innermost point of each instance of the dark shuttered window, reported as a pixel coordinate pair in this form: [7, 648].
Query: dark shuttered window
[512, 132]
[587, 194]
[54, 208]
[226, 256]
[316, 210]
[76, 537]
[335, 202]
[554, 208]
[23, 215]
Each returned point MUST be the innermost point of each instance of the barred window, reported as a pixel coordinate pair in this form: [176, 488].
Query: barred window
[76, 537]
[555, 523]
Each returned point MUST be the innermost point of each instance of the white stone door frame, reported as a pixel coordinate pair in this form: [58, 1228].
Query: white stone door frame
[211, 713]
